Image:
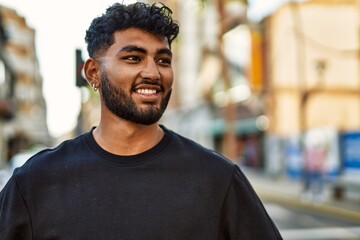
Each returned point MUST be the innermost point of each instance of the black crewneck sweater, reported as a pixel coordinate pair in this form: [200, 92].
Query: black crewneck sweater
[177, 190]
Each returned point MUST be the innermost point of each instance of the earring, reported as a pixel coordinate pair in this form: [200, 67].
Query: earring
[94, 87]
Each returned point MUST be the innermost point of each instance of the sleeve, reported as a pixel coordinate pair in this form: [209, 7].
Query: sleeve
[14, 216]
[243, 214]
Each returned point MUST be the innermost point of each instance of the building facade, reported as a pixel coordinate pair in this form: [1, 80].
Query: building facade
[28, 126]
[311, 81]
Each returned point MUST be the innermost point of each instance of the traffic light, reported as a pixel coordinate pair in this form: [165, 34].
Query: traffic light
[80, 80]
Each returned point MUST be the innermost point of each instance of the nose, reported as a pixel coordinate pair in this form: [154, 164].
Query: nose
[150, 71]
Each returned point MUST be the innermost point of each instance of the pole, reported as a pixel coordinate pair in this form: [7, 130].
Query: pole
[229, 140]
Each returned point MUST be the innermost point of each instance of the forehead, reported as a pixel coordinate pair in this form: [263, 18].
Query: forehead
[140, 38]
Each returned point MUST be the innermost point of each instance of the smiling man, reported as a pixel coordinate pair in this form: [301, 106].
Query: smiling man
[130, 177]
[134, 77]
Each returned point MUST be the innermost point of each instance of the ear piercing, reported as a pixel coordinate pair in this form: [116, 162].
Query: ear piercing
[94, 87]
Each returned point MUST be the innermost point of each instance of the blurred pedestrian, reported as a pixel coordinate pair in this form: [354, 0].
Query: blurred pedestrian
[315, 154]
[130, 177]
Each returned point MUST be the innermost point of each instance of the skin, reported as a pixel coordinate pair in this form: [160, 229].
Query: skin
[135, 56]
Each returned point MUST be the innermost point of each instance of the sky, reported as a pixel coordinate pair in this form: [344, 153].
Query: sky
[60, 29]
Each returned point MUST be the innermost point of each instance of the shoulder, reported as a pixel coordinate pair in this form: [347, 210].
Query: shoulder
[64, 149]
[48, 159]
[197, 154]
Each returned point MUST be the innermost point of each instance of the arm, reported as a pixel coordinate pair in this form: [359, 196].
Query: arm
[243, 214]
[15, 221]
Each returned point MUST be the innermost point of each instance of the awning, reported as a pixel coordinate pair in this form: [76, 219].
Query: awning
[242, 126]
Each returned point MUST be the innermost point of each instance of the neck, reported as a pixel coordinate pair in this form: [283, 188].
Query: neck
[127, 138]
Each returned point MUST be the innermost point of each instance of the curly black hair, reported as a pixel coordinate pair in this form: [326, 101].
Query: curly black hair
[155, 19]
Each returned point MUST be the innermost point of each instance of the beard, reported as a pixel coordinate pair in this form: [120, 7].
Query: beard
[123, 106]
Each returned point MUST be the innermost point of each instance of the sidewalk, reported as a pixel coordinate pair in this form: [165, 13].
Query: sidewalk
[285, 191]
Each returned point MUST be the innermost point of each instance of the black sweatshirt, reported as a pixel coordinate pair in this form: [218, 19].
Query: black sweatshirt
[178, 190]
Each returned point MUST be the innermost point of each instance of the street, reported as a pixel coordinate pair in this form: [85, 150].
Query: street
[295, 224]
[303, 219]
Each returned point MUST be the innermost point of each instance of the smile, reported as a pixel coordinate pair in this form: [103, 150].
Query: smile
[146, 91]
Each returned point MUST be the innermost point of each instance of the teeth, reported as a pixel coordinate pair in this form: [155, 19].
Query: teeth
[146, 91]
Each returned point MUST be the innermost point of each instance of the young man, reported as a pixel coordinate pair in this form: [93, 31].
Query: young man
[129, 177]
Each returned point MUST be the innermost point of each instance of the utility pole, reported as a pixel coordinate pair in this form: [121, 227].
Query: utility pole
[229, 139]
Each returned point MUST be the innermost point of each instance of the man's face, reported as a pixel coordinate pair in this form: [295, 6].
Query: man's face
[136, 76]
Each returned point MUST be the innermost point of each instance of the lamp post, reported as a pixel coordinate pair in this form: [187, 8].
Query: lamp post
[229, 139]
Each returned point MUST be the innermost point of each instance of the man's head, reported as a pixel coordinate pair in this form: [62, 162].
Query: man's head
[131, 61]
[155, 19]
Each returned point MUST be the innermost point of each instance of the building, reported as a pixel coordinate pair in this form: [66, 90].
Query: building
[313, 62]
[7, 82]
[211, 77]
[310, 82]
[28, 126]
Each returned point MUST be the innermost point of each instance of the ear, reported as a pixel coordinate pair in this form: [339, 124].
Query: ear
[92, 72]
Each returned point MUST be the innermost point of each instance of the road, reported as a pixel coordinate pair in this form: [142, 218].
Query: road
[298, 219]
[300, 224]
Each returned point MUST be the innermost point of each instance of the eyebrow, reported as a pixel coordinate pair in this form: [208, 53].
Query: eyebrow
[134, 48]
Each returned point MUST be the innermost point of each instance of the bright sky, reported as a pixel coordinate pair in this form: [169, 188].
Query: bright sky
[60, 29]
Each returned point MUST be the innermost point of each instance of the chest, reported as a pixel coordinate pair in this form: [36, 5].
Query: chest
[139, 203]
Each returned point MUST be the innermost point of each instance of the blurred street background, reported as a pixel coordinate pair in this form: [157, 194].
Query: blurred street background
[272, 85]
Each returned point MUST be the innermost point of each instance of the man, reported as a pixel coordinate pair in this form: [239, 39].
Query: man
[129, 177]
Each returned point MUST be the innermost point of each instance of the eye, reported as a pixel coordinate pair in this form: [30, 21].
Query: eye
[132, 58]
[164, 61]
